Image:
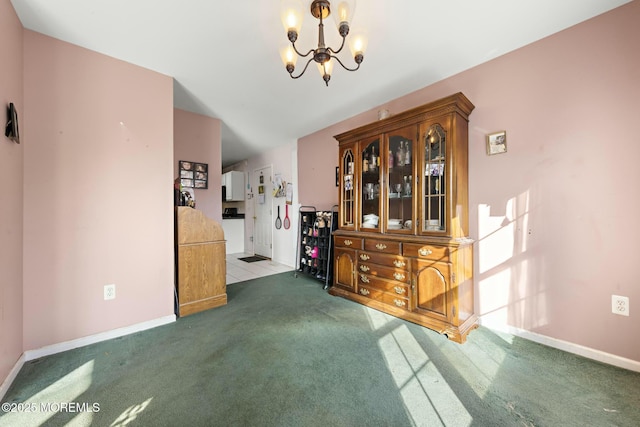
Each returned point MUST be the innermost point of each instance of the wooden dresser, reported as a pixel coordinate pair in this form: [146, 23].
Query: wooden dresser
[200, 262]
[402, 242]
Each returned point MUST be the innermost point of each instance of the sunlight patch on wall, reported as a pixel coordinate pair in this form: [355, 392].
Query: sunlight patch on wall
[503, 237]
[520, 215]
[508, 297]
[496, 239]
[493, 300]
[511, 281]
[528, 297]
[56, 399]
[427, 397]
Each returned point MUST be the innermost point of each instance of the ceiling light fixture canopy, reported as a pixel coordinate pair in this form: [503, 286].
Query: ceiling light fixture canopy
[292, 13]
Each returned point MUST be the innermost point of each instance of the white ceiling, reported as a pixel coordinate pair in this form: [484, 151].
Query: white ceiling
[224, 55]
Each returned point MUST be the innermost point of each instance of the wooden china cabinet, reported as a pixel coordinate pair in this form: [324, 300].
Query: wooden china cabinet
[402, 243]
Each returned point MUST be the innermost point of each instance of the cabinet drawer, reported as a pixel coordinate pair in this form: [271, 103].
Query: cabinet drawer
[382, 246]
[394, 300]
[397, 274]
[392, 287]
[347, 242]
[417, 250]
[395, 261]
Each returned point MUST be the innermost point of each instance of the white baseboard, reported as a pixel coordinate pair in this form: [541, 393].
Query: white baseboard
[589, 353]
[80, 342]
[12, 376]
[92, 339]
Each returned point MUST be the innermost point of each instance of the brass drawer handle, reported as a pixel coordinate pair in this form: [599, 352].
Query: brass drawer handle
[348, 243]
[364, 278]
[399, 263]
[398, 276]
[399, 302]
[425, 252]
[364, 268]
[399, 290]
[364, 291]
[381, 246]
[364, 257]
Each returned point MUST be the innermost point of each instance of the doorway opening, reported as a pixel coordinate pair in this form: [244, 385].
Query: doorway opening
[262, 230]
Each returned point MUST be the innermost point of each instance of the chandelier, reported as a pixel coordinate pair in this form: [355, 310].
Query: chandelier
[323, 56]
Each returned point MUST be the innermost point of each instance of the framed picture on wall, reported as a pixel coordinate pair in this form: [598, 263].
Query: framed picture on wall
[193, 174]
[497, 143]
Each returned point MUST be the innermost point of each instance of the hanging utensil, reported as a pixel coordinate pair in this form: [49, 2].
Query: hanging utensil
[287, 221]
[278, 220]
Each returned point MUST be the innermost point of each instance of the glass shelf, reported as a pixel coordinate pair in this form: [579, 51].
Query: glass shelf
[370, 184]
[434, 191]
[399, 176]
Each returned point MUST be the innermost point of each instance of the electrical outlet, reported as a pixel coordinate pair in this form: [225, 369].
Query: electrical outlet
[109, 291]
[620, 305]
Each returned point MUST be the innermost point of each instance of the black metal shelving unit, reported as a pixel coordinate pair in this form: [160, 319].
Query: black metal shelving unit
[314, 251]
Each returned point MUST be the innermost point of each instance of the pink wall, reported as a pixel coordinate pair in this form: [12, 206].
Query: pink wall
[555, 216]
[198, 138]
[11, 194]
[98, 202]
[317, 161]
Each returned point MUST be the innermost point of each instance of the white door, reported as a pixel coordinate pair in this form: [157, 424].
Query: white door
[262, 229]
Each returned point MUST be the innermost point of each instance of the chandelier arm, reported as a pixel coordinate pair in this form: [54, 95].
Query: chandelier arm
[300, 54]
[340, 49]
[303, 70]
[343, 66]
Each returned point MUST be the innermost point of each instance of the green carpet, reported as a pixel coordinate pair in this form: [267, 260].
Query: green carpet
[283, 352]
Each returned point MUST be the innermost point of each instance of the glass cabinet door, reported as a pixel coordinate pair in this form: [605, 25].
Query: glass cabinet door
[370, 184]
[347, 192]
[399, 164]
[434, 188]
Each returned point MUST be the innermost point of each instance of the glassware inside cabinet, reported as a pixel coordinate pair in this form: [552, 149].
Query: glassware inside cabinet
[370, 181]
[434, 186]
[400, 179]
[347, 197]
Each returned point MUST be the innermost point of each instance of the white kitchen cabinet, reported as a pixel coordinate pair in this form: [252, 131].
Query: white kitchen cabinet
[234, 234]
[234, 183]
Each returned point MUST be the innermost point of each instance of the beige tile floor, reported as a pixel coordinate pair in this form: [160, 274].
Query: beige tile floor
[239, 271]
